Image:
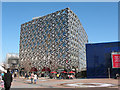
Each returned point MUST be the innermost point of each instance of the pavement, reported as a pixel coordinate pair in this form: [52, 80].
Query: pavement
[87, 84]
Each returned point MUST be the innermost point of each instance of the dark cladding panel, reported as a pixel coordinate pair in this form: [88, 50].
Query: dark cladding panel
[98, 58]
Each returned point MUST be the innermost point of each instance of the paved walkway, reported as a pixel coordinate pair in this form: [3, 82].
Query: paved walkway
[53, 83]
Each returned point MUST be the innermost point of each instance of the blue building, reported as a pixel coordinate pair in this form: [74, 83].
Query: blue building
[99, 59]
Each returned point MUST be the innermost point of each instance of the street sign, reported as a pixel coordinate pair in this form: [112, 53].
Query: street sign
[115, 59]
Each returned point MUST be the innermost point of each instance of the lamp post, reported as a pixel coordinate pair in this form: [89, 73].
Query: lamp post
[109, 73]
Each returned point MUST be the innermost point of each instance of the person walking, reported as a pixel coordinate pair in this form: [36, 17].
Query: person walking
[117, 76]
[15, 74]
[1, 82]
[7, 78]
[58, 75]
[35, 78]
[32, 76]
[2, 74]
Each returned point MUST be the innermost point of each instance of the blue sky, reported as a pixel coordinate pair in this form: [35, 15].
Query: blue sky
[100, 20]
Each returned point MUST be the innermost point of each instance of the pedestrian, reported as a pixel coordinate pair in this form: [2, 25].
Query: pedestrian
[32, 76]
[7, 78]
[1, 82]
[50, 75]
[58, 75]
[35, 78]
[117, 76]
[27, 75]
[15, 74]
[2, 74]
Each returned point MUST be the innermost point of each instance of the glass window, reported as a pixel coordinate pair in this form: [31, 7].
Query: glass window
[22, 42]
[66, 49]
[27, 45]
[46, 52]
[32, 39]
[26, 41]
[61, 39]
[47, 32]
[61, 18]
[36, 39]
[27, 37]
[63, 22]
[42, 42]
[60, 50]
[30, 45]
[34, 44]
[58, 13]
[46, 22]
[58, 23]
[51, 52]
[33, 31]
[64, 33]
[42, 33]
[38, 33]
[46, 41]
[23, 34]
[35, 26]
[49, 26]
[63, 55]
[59, 45]
[58, 55]
[38, 43]
[66, 38]
[24, 37]
[63, 12]
[34, 35]
[32, 49]
[30, 36]
[56, 40]
[37, 29]
[43, 46]
[63, 44]
[44, 37]
[56, 19]
[45, 28]
[31, 27]
[55, 29]
[48, 35]
[60, 28]
[25, 29]
[48, 46]
[59, 34]
[24, 46]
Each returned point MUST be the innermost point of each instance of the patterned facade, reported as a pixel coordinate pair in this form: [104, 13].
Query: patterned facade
[55, 40]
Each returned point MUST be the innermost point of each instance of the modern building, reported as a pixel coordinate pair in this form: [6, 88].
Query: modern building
[99, 59]
[12, 61]
[53, 41]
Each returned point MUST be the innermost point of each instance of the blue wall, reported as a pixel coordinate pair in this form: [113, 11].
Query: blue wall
[99, 59]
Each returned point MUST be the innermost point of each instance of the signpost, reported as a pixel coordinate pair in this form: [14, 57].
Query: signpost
[109, 72]
[115, 59]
